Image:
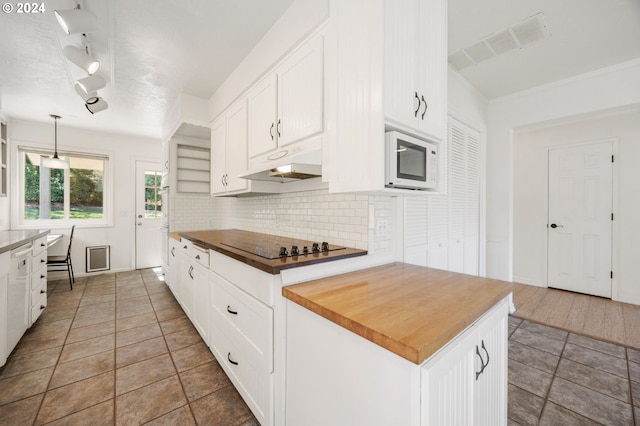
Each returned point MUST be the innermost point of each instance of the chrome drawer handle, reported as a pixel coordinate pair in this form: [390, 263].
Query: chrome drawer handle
[230, 311]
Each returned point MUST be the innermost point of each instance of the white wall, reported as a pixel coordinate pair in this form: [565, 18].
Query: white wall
[530, 196]
[4, 201]
[612, 88]
[124, 150]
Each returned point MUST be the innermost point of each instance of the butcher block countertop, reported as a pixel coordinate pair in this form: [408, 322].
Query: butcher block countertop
[219, 240]
[409, 310]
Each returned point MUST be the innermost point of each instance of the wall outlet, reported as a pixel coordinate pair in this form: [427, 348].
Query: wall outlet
[381, 227]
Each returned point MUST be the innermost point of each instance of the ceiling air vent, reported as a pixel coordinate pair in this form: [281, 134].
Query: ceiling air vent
[514, 37]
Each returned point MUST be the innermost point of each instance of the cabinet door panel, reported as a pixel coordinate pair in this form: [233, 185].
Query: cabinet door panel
[401, 62]
[262, 101]
[448, 384]
[237, 147]
[491, 386]
[218, 155]
[300, 94]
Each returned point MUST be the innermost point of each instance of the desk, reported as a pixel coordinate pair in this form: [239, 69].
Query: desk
[53, 239]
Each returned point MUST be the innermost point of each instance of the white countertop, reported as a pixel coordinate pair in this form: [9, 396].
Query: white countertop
[12, 239]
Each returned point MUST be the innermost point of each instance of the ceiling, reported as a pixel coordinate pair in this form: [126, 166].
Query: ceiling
[151, 51]
[586, 35]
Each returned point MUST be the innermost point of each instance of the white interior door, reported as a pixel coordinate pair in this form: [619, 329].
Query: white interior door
[580, 218]
[148, 215]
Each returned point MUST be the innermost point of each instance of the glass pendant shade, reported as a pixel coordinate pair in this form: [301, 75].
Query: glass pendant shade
[76, 21]
[81, 58]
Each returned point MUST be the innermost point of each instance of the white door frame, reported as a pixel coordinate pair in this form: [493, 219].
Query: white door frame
[131, 215]
[614, 207]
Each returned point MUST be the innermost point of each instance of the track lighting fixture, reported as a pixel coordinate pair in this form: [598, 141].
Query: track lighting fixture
[92, 83]
[82, 58]
[96, 105]
[76, 21]
[90, 97]
[55, 162]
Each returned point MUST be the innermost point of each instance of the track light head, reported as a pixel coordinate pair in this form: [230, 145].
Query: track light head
[96, 105]
[76, 21]
[93, 83]
[82, 58]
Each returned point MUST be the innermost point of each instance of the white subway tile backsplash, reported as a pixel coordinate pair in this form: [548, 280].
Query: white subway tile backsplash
[341, 219]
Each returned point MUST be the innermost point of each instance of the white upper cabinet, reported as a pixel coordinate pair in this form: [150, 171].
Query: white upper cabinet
[229, 150]
[287, 106]
[416, 66]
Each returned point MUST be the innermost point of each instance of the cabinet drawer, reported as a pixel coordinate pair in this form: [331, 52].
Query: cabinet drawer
[39, 280]
[254, 384]
[38, 288]
[195, 252]
[39, 260]
[242, 316]
[39, 245]
[38, 307]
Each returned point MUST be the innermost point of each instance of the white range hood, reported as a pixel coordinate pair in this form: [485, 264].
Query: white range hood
[287, 164]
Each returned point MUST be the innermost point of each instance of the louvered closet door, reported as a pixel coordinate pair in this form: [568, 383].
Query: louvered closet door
[472, 205]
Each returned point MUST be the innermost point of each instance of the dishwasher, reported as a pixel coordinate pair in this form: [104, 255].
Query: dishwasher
[18, 295]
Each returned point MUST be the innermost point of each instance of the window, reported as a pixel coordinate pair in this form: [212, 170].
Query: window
[56, 195]
[152, 196]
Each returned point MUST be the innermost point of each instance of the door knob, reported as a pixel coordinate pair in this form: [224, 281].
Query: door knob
[553, 225]
[139, 216]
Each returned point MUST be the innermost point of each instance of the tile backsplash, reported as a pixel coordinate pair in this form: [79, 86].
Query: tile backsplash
[341, 219]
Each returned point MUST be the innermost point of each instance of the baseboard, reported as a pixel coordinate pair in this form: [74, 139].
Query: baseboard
[529, 281]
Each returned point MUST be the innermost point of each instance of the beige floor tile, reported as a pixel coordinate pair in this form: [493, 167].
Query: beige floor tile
[140, 351]
[87, 347]
[30, 362]
[149, 402]
[28, 384]
[98, 415]
[136, 321]
[138, 334]
[143, 373]
[192, 356]
[83, 368]
[22, 412]
[75, 397]
[203, 380]
[221, 408]
[182, 416]
[91, 331]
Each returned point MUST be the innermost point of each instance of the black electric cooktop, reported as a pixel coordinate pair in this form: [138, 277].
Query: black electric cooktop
[284, 247]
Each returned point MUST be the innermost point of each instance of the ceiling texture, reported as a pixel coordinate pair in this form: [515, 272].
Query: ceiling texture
[153, 50]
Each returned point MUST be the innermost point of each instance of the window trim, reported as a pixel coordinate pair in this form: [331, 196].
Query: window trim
[17, 197]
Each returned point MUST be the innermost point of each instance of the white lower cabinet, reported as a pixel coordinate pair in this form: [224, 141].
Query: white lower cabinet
[38, 279]
[242, 333]
[339, 378]
[194, 282]
[4, 281]
[173, 269]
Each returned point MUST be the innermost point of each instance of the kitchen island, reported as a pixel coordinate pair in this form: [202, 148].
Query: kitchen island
[397, 344]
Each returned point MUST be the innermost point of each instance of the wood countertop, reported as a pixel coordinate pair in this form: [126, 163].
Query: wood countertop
[216, 239]
[410, 310]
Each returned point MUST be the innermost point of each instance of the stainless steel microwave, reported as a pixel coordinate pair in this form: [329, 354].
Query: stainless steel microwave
[411, 163]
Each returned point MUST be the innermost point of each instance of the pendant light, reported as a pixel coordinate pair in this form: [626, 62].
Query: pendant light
[55, 162]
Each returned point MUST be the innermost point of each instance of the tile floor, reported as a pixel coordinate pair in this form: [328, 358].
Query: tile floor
[562, 378]
[118, 349]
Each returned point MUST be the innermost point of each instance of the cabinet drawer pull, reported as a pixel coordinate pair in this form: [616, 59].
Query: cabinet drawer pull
[197, 257]
[42, 276]
[42, 307]
[43, 291]
[184, 246]
[43, 245]
[425, 107]
[271, 130]
[230, 360]
[173, 251]
[43, 261]
[483, 364]
[415, 113]
[278, 128]
[190, 272]
[230, 311]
